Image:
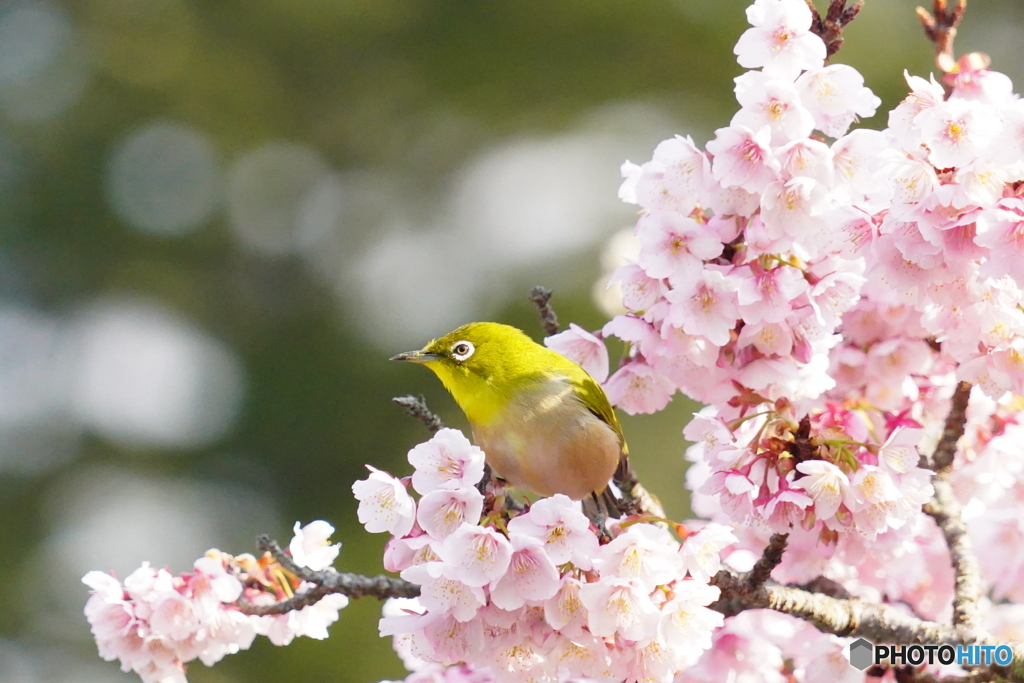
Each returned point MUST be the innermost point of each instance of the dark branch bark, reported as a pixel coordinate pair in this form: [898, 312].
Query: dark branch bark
[956, 421]
[825, 586]
[416, 407]
[830, 27]
[770, 559]
[940, 27]
[297, 601]
[326, 582]
[541, 298]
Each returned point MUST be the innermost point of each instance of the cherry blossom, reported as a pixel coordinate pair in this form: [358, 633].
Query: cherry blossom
[442, 511]
[581, 346]
[780, 40]
[447, 460]
[384, 503]
[743, 158]
[477, 555]
[835, 96]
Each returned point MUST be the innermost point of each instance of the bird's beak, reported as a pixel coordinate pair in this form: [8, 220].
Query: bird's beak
[417, 356]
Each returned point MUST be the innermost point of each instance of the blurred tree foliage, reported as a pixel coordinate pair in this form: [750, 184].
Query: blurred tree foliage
[409, 88]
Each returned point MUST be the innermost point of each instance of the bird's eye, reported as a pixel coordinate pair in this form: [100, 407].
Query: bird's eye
[462, 350]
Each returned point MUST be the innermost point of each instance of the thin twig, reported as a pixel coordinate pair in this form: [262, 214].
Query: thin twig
[541, 298]
[830, 27]
[297, 601]
[940, 27]
[326, 582]
[416, 407]
[945, 509]
[770, 559]
[956, 421]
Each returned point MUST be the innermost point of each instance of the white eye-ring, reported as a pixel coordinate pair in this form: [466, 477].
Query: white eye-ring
[462, 350]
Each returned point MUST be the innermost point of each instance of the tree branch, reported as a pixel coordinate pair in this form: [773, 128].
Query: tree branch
[940, 27]
[325, 582]
[946, 510]
[416, 407]
[825, 586]
[770, 559]
[297, 601]
[830, 27]
[878, 623]
[541, 298]
[956, 421]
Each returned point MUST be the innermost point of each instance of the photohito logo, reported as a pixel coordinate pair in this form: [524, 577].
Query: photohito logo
[863, 654]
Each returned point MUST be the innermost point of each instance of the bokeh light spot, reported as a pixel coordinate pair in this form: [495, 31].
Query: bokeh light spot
[163, 179]
[267, 190]
[148, 378]
[42, 71]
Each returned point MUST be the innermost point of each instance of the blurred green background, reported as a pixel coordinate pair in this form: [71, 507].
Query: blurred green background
[219, 218]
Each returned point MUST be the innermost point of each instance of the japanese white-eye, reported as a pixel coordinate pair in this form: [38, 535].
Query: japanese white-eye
[543, 423]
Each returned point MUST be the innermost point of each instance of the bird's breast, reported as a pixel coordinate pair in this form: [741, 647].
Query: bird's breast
[546, 440]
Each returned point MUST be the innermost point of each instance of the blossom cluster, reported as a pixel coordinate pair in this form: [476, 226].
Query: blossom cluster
[531, 594]
[839, 472]
[155, 622]
[796, 268]
[752, 250]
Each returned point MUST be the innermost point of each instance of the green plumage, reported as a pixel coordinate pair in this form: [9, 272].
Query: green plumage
[542, 421]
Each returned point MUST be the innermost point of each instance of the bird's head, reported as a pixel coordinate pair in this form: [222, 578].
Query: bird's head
[482, 365]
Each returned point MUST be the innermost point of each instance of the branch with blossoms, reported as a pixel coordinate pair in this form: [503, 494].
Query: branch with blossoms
[843, 302]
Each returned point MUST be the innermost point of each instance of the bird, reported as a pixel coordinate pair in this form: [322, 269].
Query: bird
[543, 423]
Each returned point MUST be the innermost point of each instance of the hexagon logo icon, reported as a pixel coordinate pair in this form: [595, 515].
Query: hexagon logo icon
[861, 654]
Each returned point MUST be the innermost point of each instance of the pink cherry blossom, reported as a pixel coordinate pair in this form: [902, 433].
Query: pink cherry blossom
[384, 504]
[644, 553]
[619, 606]
[674, 246]
[957, 131]
[899, 452]
[835, 96]
[700, 551]
[743, 158]
[707, 308]
[564, 610]
[581, 346]
[531, 575]
[1002, 231]
[794, 208]
[686, 617]
[442, 511]
[637, 388]
[772, 103]
[639, 290]
[673, 180]
[445, 595]
[768, 295]
[780, 40]
[563, 529]
[477, 555]
[310, 547]
[825, 483]
[447, 460]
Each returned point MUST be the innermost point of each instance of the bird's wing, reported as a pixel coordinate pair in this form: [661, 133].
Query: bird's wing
[593, 397]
